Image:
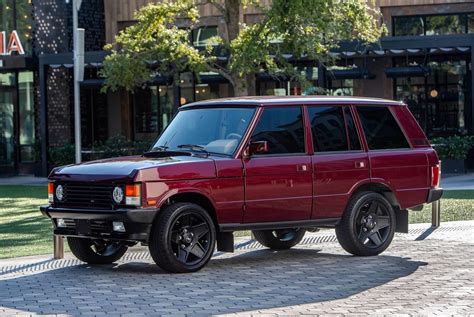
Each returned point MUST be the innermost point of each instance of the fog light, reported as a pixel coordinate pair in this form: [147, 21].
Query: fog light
[118, 226]
[61, 223]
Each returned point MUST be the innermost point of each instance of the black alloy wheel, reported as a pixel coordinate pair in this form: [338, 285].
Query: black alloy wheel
[279, 239]
[368, 224]
[183, 238]
[97, 251]
[190, 238]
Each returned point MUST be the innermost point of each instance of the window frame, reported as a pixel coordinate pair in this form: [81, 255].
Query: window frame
[254, 125]
[361, 127]
[351, 110]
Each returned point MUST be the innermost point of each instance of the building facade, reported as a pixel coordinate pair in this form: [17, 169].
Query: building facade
[425, 60]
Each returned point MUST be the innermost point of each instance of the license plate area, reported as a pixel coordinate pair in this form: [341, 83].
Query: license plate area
[83, 227]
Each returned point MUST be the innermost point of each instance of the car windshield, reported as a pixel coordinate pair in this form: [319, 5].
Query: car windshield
[211, 130]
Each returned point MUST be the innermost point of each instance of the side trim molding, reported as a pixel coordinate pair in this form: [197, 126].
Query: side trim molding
[328, 222]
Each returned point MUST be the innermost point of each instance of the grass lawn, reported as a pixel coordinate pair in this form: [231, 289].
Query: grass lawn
[24, 231]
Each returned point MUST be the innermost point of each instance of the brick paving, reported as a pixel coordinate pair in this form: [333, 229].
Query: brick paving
[414, 276]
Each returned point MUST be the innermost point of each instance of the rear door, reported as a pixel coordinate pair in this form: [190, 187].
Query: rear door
[393, 160]
[339, 160]
[278, 184]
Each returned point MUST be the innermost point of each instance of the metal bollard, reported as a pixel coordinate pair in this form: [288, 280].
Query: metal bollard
[436, 213]
[58, 242]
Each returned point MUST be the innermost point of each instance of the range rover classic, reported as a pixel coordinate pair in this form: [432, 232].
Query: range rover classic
[276, 166]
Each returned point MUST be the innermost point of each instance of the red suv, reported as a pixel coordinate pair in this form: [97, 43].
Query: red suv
[276, 166]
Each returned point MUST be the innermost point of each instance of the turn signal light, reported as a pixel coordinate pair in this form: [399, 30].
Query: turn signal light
[435, 175]
[133, 194]
[51, 192]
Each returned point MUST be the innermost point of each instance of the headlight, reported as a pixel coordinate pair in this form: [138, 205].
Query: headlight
[59, 193]
[117, 195]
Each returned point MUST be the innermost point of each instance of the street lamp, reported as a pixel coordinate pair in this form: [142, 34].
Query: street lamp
[78, 39]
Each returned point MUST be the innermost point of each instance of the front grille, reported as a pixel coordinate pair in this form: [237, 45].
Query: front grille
[80, 195]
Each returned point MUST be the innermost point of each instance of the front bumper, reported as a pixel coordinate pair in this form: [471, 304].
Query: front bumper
[92, 223]
[434, 194]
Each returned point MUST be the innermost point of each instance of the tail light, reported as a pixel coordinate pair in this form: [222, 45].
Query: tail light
[133, 194]
[435, 175]
[51, 192]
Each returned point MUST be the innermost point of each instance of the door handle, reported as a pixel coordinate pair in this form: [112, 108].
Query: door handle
[360, 164]
[301, 167]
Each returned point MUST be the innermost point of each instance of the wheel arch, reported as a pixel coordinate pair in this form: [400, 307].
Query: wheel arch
[194, 197]
[378, 187]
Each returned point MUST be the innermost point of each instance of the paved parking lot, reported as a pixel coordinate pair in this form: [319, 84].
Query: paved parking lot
[419, 274]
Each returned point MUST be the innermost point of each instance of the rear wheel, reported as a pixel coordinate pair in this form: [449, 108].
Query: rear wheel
[367, 226]
[183, 238]
[279, 239]
[96, 251]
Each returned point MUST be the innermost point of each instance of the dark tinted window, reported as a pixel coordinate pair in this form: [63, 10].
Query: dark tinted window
[380, 128]
[354, 142]
[404, 26]
[328, 129]
[282, 128]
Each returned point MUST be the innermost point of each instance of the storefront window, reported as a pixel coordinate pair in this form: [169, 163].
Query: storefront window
[433, 24]
[204, 36]
[153, 110]
[404, 26]
[444, 24]
[437, 101]
[470, 23]
[26, 116]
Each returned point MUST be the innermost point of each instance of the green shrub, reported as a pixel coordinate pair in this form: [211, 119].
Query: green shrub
[62, 155]
[113, 147]
[453, 147]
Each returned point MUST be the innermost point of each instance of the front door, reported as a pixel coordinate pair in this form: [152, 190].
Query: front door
[8, 144]
[278, 184]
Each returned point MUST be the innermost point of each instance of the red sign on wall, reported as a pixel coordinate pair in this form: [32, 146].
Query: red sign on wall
[11, 44]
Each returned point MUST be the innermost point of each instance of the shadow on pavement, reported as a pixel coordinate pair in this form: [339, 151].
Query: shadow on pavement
[248, 281]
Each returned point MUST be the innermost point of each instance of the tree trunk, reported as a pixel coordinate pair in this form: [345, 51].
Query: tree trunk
[244, 86]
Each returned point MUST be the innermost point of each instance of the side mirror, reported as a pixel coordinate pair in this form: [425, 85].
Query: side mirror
[257, 147]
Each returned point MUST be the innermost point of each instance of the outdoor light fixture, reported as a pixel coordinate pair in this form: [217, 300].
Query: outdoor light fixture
[434, 93]
[118, 226]
[61, 223]
[133, 195]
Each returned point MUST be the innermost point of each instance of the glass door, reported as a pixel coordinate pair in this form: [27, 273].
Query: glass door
[7, 131]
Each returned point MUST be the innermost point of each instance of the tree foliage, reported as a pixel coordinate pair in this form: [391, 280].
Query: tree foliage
[159, 43]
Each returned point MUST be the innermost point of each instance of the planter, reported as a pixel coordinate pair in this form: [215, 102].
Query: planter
[450, 166]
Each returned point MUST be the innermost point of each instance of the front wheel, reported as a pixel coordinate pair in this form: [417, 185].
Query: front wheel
[367, 226]
[279, 239]
[96, 251]
[183, 238]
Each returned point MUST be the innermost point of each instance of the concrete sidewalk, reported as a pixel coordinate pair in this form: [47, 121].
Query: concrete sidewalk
[23, 180]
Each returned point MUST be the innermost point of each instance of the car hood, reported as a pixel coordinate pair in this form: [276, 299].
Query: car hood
[139, 168]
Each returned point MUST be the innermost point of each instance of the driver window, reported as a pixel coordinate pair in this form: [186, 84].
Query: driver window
[282, 128]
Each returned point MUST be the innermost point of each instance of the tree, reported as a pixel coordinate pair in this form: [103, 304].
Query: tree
[159, 43]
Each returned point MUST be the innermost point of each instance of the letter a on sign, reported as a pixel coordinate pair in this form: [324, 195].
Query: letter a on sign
[14, 45]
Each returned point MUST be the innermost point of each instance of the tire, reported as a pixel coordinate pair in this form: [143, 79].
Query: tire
[183, 238]
[367, 226]
[279, 239]
[96, 251]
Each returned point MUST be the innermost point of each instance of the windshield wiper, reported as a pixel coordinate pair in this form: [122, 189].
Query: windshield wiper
[194, 147]
[159, 148]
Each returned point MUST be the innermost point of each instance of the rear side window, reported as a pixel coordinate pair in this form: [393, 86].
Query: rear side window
[333, 129]
[282, 128]
[380, 128]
